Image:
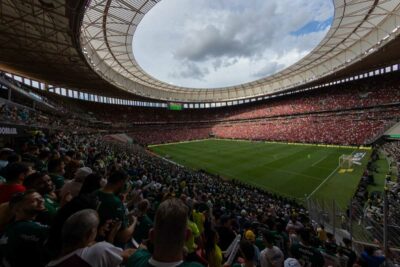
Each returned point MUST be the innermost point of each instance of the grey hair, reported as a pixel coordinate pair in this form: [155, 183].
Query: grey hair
[78, 226]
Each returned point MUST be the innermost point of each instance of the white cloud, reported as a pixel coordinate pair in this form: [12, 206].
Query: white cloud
[216, 43]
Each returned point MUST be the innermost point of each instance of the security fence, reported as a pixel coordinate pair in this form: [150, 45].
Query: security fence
[367, 223]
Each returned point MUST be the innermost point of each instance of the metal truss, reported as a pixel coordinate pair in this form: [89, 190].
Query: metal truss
[360, 27]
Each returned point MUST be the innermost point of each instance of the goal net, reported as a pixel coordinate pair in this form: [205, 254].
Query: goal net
[345, 161]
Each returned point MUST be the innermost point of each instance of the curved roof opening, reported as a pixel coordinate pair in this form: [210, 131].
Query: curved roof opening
[213, 44]
[359, 29]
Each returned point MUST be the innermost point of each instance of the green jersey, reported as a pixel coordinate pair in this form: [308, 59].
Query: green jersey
[111, 208]
[57, 180]
[51, 205]
[23, 243]
[307, 256]
[141, 259]
[143, 226]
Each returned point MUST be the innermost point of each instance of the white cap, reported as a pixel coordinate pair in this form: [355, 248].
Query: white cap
[291, 262]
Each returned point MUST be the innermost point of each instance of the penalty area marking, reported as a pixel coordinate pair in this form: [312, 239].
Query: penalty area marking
[326, 179]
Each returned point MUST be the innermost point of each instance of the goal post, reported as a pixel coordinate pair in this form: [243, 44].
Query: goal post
[345, 161]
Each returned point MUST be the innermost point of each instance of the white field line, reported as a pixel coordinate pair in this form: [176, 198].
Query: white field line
[315, 163]
[326, 179]
[323, 182]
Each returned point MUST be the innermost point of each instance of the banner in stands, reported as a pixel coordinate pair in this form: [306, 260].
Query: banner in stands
[5, 130]
[16, 130]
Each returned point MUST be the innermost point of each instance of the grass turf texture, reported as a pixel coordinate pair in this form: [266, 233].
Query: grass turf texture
[290, 170]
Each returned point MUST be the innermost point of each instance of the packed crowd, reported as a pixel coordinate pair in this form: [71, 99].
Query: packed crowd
[345, 128]
[75, 200]
[11, 113]
[364, 93]
[358, 94]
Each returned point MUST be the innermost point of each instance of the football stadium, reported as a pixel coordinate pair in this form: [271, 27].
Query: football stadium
[149, 133]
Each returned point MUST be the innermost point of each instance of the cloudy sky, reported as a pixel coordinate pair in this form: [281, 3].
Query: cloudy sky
[217, 43]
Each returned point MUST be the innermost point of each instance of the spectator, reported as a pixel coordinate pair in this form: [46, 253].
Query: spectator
[56, 171]
[92, 183]
[305, 253]
[349, 252]
[213, 252]
[246, 250]
[78, 235]
[271, 256]
[112, 208]
[225, 232]
[23, 240]
[73, 186]
[41, 183]
[168, 238]
[372, 257]
[144, 223]
[294, 224]
[15, 174]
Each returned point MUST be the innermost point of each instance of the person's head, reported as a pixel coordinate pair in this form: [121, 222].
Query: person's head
[92, 183]
[143, 206]
[39, 181]
[16, 172]
[170, 229]
[71, 167]
[249, 235]
[117, 180]
[268, 238]
[26, 205]
[80, 229]
[246, 248]
[56, 166]
[291, 262]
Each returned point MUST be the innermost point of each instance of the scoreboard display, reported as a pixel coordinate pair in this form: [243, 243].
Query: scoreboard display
[175, 106]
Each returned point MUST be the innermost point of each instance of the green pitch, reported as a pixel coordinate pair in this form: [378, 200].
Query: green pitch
[290, 170]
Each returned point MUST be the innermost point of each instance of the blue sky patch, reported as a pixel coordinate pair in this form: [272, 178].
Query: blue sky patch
[313, 26]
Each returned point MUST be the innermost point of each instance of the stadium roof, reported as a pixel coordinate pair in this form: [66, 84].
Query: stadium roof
[87, 45]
